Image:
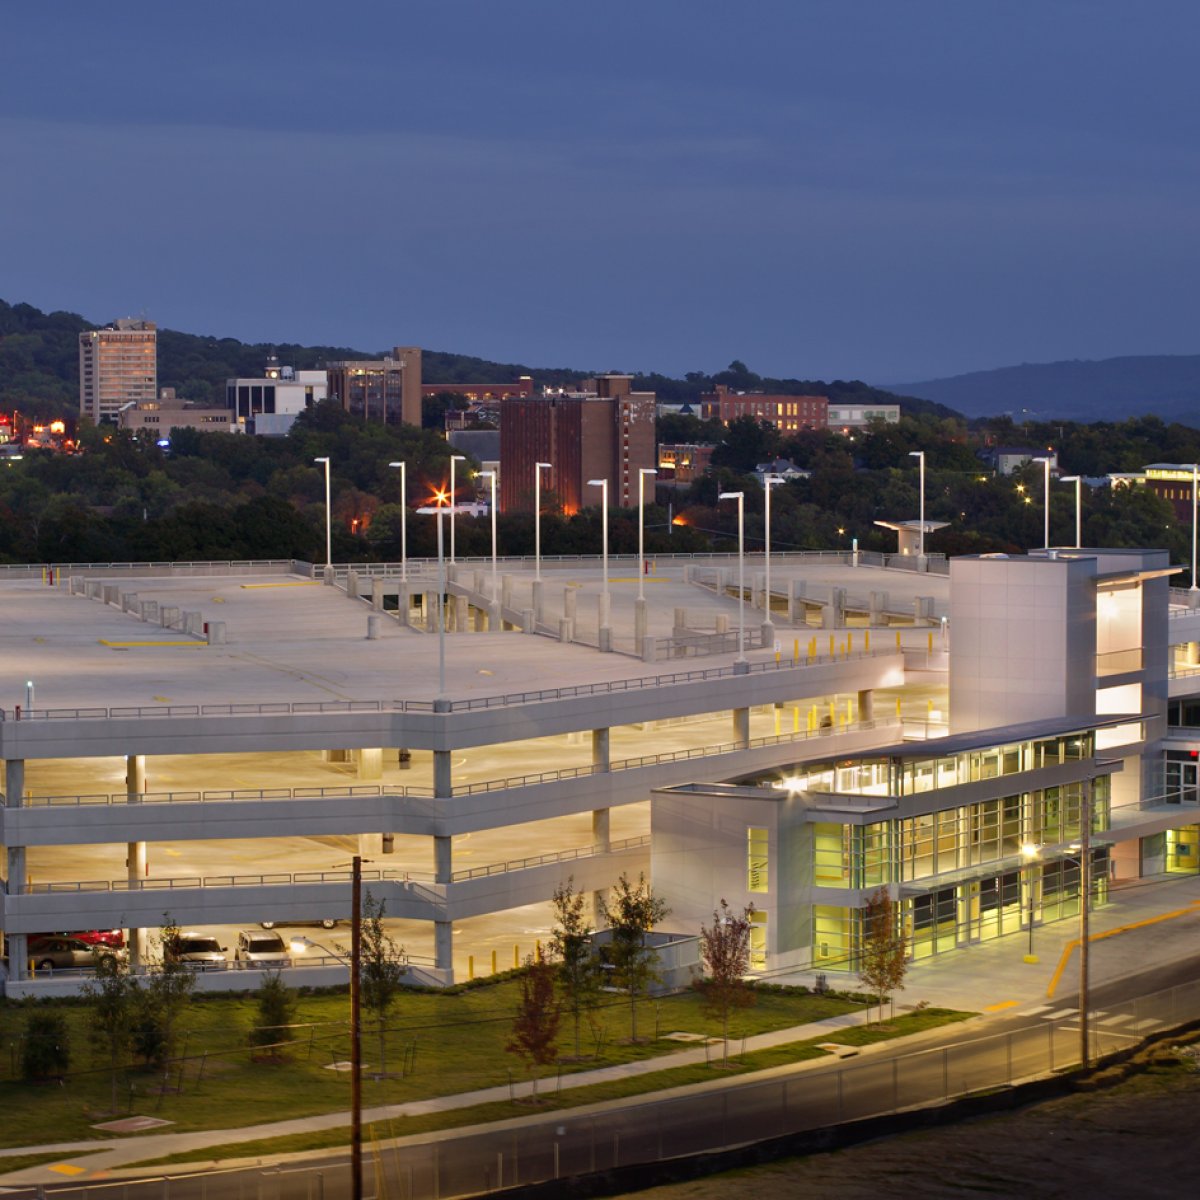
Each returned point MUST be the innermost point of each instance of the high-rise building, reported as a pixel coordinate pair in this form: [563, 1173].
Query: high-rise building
[385, 389]
[118, 366]
[605, 431]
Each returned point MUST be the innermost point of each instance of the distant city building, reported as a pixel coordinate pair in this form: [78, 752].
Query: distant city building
[603, 431]
[1173, 483]
[118, 365]
[161, 416]
[682, 462]
[789, 414]
[482, 393]
[783, 467]
[268, 404]
[483, 445]
[846, 417]
[1004, 460]
[387, 390]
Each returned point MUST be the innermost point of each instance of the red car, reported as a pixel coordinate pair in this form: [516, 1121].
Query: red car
[101, 937]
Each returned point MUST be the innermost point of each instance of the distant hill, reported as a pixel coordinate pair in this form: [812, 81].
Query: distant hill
[1111, 389]
[39, 368]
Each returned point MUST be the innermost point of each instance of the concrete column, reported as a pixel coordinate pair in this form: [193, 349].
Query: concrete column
[135, 866]
[352, 585]
[442, 784]
[443, 945]
[370, 763]
[14, 794]
[377, 586]
[601, 828]
[601, 742]
[570, 598]
[462, 614]
[741, 726]
[506, 588]
[680, 623]
[796, 605]
[758, 591]
[443, 859]
[216, 632]
[604, 610]
[866, 705]
[539, 600]
[879, 606]
[481, 620]
[722, 623]
[639, 620]
[135, 774]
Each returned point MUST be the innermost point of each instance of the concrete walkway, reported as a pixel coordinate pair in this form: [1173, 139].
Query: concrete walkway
[1143, 926]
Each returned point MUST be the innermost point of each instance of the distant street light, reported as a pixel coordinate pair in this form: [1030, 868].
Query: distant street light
[403, 518]
[740, 497]
[328, 517]
[491, 477]
[920, 455]
[642, 473]
[1077, 480]
[454, 458]
[538, 468]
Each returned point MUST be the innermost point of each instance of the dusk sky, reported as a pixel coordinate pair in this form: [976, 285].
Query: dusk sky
[887, 191]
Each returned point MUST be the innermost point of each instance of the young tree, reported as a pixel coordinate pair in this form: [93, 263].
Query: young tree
[632, 911]
[276, 1013]
[381, 967]
[164, 997]
[535, 1026]
[885, 949]
[46, 1047]
[725, 952]
[112, 995]
[571, 944]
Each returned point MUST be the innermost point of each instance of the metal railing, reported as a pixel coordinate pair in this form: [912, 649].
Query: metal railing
[541, 860]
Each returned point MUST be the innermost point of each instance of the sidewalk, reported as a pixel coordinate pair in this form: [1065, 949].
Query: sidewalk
[1151, 925]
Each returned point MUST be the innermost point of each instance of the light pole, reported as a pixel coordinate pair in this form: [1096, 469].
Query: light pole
[441, 603]
[403, 519]
[328, 517]
[642, 473]
[920, 456]
[740, 497]
[538, 468]
[454, 458]
[769, 481]
[1077, 480]
[602, 484]
[1030, 852]
[298, 945]
[491, 477]
[1195, 468]
[1046, 498]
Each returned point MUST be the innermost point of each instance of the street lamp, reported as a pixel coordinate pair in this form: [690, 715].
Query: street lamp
[441, 602]
[602, 484]
[491, 477]
[740, 497]
[538, 468]
[1195, 468]
[642, 473]
[769, 481]
[1077, 480]
[328, 518]
[1030, 852]
[403, 518]
[1046, 498]
[920, 455]
[298, 946]
[454, 458]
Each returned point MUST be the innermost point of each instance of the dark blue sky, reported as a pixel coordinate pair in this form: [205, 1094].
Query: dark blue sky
[881, 190]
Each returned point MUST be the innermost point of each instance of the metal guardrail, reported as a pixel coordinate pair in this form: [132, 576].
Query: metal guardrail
[541, 860]
[225, 796]
[542, 695]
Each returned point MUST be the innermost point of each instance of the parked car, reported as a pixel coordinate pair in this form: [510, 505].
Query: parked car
[254, 946]
[100, 937]
[196, 950]
[324, 922]
[51, 951]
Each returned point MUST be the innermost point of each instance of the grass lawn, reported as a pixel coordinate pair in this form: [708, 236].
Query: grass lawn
[669, 1077]
[454, 1043]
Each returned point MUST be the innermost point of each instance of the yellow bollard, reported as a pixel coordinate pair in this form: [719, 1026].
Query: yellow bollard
[537, 953]
[897, 639]
[516, 956]
[470, 966]
[897, 708]
[867, 642]
[777, 658]
[849, 643]
[832, 647]
[795, 720]
[795, 650]
[929, 710]
[812, 648]
[929, 648]
[494, 953]
[832, 712]
[777, 720]
[812, 718]
[849, 712]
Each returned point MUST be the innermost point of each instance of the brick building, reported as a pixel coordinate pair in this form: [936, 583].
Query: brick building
[789, 414]
[605, 431]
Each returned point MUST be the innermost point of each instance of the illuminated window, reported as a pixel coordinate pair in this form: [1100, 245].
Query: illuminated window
[756, 859]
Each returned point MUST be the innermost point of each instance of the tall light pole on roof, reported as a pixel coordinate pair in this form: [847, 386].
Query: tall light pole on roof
[403, 518]
[1077, 480]
[1045, 461]
[642, 473]
[538, 468]
[491, 477]
[454, 458]
[740, 497]
[1195, 469]
[328, 517]
[920, 455]
[769, 481]
[602, 484]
